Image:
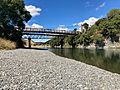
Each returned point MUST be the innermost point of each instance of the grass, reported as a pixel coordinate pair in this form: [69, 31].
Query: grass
[7, 44]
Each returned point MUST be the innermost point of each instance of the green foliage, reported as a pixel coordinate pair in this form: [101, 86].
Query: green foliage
[13, 14]
[71, 41]
[109, 26]
[85, 38]
[54, 42]
[98, 37]
[104, 28]
[113, 13]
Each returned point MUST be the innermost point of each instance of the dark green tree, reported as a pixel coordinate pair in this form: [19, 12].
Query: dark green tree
[99, 40]
[72, 41]
[109, 26]
[13, 15]
[85, 26]
[85, 39]
[62, 42]
[55, 42]
[75, 30]
[113, 13]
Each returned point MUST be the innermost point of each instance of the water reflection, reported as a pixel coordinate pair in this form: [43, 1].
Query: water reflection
[105, 59]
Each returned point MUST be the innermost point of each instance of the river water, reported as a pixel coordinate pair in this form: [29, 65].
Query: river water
[105, 59]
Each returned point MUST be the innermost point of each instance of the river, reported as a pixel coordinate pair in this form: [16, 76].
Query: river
[106, 59]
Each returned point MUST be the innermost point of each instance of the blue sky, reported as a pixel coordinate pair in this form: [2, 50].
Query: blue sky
[68, 13]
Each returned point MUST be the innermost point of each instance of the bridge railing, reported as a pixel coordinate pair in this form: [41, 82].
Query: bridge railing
[47, 30]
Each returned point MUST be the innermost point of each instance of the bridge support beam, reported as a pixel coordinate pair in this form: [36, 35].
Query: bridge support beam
[29, 42]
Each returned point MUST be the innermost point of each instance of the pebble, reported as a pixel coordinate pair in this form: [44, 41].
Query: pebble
[24, 69]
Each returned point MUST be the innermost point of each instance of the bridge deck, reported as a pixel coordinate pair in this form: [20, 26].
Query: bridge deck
[38, 33]
[48, 31]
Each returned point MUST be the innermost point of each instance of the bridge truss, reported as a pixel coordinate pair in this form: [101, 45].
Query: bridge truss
[41, 33]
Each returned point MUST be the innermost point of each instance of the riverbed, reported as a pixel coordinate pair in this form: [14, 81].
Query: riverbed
[31, 69]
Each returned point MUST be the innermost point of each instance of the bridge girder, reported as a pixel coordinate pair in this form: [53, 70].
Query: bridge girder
[38, 33]
[49, 31]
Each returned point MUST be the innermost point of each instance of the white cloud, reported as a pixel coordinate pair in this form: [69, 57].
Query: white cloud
[90, 21]
[100, 6]
[62, 27]
[34, 25]
[34, 11]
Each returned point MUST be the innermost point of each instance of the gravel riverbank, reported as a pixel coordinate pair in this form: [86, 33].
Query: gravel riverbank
[25, 69]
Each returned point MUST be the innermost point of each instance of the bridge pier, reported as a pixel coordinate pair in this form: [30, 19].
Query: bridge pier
[29, 42]
[62, 42]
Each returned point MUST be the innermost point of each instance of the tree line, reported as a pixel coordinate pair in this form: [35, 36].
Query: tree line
[107, 28]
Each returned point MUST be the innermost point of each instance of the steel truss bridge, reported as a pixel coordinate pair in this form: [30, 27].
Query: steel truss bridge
[41, 33]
